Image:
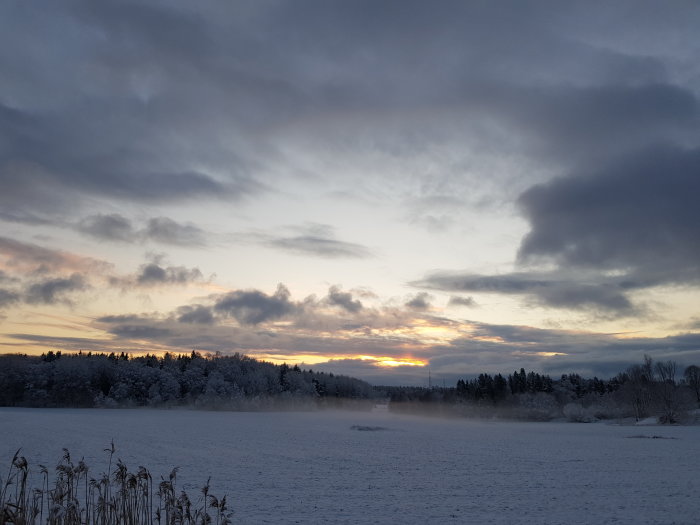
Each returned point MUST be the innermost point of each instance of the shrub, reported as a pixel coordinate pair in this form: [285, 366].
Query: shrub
[578, 414]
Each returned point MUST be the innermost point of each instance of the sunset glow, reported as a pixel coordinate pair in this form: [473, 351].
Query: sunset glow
[389, 361]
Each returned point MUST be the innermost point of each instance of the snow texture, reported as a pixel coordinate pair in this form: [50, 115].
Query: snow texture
[316, 467]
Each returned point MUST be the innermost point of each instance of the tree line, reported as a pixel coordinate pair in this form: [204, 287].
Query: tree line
[641, 391]
[120, 380]
[238, 382]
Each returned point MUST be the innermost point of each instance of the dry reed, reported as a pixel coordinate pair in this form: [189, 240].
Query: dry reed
[116, 497]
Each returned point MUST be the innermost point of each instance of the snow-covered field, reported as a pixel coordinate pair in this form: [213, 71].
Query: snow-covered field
[359, 467]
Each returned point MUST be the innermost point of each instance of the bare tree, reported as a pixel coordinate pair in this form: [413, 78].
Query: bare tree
[666, 371]
[692, 379]
[668, 391]
[638, 388]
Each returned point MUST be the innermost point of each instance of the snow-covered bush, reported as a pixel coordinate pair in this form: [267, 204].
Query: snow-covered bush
[578, 414]
[538, 407]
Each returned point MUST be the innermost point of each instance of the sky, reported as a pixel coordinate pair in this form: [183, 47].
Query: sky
[390, 190]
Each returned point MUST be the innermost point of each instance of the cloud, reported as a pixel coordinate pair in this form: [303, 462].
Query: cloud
[629, 226]
[7, 298]
[52, 171]
[502, 348]
[115, 227]
[197, 314]
[343, 299]
[51, 291]
[634, 225]
[168, 231]
[434, 211]
[201, 116]
[420, 302]
[455, 300]
[551, 289]
[255, 307]
[638, 215]
[590, 125]
[119, 319]
[317, 240]
[320, 247]
[22, 217]
[310, 328]
[128, 331]
[152, 274]
[168, 117]
[101, 132]
[4, 278]
[26, 258]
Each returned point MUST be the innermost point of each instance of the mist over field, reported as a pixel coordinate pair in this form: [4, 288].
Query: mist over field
[379, 467]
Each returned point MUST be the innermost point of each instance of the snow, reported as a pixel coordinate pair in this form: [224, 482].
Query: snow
[379, 467]
[648, 421]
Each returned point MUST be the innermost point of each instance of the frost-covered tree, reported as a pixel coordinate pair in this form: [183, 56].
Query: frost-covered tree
[669, 396]
[692, 379]
[638, 388]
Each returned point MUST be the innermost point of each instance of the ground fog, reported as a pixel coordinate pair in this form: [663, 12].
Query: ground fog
[362, 467]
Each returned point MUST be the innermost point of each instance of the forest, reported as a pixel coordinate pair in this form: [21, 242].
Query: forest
[651, 389]
[235, 382]
[238, 382]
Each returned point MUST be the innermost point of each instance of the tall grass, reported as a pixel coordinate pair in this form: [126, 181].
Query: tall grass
[115, 497]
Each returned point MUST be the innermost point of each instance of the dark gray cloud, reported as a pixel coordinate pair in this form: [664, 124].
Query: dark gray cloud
[166, 103]
[101, 131]
[139, 331]
[254, 306]
[693, 324]
[139, 328]
[50, 291]
[114, 319]
[49, 168]
[23, 217]
[456, 300]
[115, 227]
[320, 247]
[8, 297]
[336, 297]
[168, 231]
[586, 126]
[639, 215]
[153, 274]
[552, 289]
[420, 302]
[197, 314]
[112, 227]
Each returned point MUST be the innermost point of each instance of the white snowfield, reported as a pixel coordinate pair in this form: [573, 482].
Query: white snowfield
[360, 467]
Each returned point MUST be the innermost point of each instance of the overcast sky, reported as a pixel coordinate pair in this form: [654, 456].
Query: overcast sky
[375, 188]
